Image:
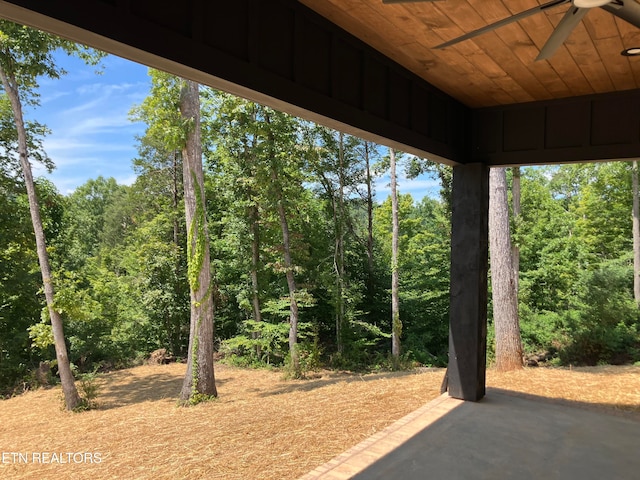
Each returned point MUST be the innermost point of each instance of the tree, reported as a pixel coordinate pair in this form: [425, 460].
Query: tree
[367, 154]
[515, 248]
[84, 219]
[280, 137]
[396, 324]
[505, 302]
[26, 54]
[234, 166]
[636, 234]
[19, 305]
[172, 113]
[199, 381]
[338, 171]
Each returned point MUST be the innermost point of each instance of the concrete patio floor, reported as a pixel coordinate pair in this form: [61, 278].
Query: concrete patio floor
[504, 436]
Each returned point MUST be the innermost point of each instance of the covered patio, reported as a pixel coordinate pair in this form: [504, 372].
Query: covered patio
[376, 69]
[505, 435]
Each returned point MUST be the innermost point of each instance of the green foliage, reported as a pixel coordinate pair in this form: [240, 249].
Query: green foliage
[9, 161]
[89, 387]
[41, 334]
[197, 398]
[576, 275]
[607, 329]
[121, 252]
[263, 343]
[544, 330]
[20, 282]
[196, 239]
[161, 111]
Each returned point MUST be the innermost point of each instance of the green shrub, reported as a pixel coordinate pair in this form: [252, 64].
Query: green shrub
[89, 388]
[606, 327]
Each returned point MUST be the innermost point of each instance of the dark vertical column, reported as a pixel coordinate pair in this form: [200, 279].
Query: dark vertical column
[469, 263]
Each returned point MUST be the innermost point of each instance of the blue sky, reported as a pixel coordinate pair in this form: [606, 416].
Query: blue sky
[87, 114]
[92, 135]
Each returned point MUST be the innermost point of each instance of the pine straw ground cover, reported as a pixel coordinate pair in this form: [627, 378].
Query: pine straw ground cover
[261, 427]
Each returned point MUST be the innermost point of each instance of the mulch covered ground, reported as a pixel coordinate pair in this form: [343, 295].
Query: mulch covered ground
[261, 427]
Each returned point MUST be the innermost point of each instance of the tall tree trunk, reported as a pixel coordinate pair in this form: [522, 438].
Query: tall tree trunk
[291, 283]
[339, 250]
[636, 235]
[175, 194]
[175, 327]
[199, 380]
[71, 397]
[255, 261]
[255, 265]
[369, 181]
[505, 302]
[396, 324]
[515, 249]
[288, 262]
[254, 220]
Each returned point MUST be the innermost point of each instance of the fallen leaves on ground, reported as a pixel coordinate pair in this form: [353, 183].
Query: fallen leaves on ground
[261, 426]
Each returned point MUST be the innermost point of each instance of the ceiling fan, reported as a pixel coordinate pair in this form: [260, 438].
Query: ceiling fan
[628, 10]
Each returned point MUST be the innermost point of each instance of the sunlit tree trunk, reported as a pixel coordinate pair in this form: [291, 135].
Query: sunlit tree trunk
[255, 261]
[199, 381]
[396, 324]
[515, 249]
[369, 182]
[636, 234]
[505, 302]
[291, 283]
[339, 217]
[71, 397]
[254, 221]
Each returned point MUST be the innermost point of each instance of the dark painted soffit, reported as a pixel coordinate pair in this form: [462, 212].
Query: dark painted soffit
[280, 53]
[276, 52]
[589, 128]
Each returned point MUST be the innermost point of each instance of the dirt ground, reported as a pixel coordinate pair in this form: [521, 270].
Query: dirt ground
[261, 427]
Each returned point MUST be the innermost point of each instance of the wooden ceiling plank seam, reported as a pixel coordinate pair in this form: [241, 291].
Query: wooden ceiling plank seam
[539, 28]
[519, 93]
[414, 28]
[584, 52]
[514, 35]
[519, 74]
[617, 65]
[600, 24]
[453, 13]
[516, 39]
[562, 62]
[362, 15]
[499, 52]
[630, 36]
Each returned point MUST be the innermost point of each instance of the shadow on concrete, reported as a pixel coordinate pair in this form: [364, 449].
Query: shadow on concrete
[507, 436]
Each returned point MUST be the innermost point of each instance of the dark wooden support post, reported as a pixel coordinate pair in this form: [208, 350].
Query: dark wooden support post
[469, 263]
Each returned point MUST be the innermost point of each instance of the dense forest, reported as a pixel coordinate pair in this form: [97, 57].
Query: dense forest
[294, 223]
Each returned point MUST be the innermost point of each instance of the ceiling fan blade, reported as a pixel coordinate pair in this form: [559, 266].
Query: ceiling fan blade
[628, 10]
[505, 21]
[570, 20]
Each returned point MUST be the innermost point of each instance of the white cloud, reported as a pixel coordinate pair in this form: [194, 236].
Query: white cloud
[52, 97]
[418, 187]
[88, 116]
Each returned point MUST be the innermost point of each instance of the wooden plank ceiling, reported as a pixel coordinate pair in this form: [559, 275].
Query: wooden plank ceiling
[498, 67]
